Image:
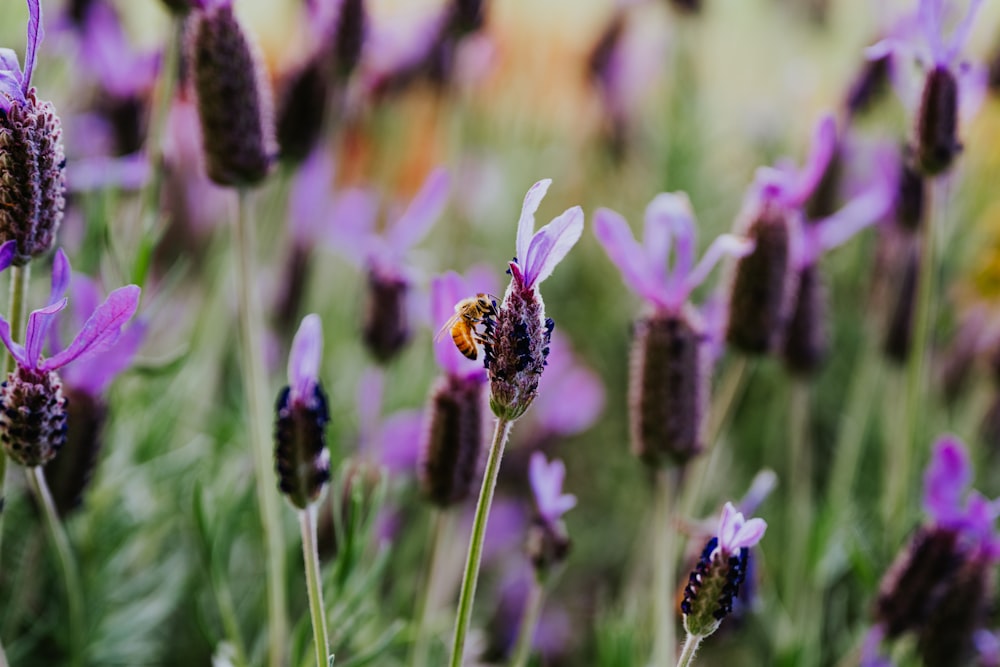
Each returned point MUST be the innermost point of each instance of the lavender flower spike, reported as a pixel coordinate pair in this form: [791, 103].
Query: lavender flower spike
[715, 582]
[548, 542]
[32, 405]
[301, 458]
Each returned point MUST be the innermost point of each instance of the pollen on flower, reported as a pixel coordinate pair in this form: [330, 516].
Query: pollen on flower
[32, 416]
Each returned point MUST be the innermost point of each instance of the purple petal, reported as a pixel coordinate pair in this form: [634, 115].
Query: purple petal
[304, 358]
[60, 276]
[10, 91]
[572, 404]
[526, 223]
[127, 173]
[93, 374]
[675, 211]
[947, 477]
[17, 351]
[763, 484]
[726, 245]
[446, 291]
[398, 438]
[961, 34]
[7, 252]
[35, 34]
[551, 244]
[38, 327]
[931, 16]
[422, 212]
[657, 239]
[855, 216]
[101, 329]
[614, 235]
[728, 525]
[311, 197]
[749, 534]
[10, 64]
[820, 153]
[352, 224]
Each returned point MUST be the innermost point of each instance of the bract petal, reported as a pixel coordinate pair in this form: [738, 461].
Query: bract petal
[821, 151]
[101, 328]
[615, 236]
[61, 274]
[526, 223]
[304, 358]
[551, 244]
[35, 35]
[422, 212]
[726, 245]
[946, 479]
[39, 322]
[16, 350]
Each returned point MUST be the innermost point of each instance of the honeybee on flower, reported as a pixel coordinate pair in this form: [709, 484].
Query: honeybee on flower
[469, 314]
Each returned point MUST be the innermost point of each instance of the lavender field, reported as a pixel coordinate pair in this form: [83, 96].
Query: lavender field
[419, 333]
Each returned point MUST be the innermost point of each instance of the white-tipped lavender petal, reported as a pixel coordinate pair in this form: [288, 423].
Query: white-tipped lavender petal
[304, 358]
[38, 328]
[526, 223]
[615, 236]
[551, 244]
[422, 212]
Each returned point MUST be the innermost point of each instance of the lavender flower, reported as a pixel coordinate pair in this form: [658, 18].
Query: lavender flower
[548, 542]
[668, 385]
[234, 100]
[85, 384]
[301, 458]
[515, 358]
[32, 405]
[570, 398]
[32, 163]
[716, 579]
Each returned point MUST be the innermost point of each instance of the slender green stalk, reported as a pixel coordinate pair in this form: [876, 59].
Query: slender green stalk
[798, 588]
[691, 645]
[664, 567]
[439, 537]
[3, 658]
[899, 483]
[471, 574]
[254, 379]
[529, 619]
[18, 307]
[67, 562]
[861, 398]
[314, 584]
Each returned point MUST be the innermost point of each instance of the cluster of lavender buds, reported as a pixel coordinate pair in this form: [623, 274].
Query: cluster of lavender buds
[939, 586]
[548, 542]
[33, 413]
[668, 385]
[301, 457]
[716, 579]
[32, 164]
[515, 352]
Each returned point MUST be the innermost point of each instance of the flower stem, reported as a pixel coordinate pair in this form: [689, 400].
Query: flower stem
[254, 378]
[18, 290]
[691, 645]
[67, 562]
[898, 488]
[529, 619]
[798, 588]
[471, 574]
[664, 567]
[440, 533]
[314, 584]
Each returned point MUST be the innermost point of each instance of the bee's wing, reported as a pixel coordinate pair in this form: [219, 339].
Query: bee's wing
[447, 325]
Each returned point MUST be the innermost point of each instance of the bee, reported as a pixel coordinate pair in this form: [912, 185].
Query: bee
[469, 313]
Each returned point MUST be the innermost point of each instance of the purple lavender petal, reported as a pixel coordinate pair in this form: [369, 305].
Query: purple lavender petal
[988, 647]
[546, 482]
[931, 16]
[398, 438]
[446, 291]
[39, 322]
[7, 252]
[736, 533]
[961, 34]
[106, 52]
[551, 244]
[820, 153]
[571, 396]
[855, 216]
[657, 238]
[615, 236]
[10, 91]
[35, 35]
[127, 173]
[947, 477]
[93, 374]
[17, 351]
[675, 210]
[304, 358]
[726, 245]
[422, 212]
[101, 329]
[526, 223]
[10, 65]
[61, 274]
[311, 196]
[352, 224]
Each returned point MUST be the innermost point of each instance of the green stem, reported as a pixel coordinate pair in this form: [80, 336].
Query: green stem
[314, 584]
[18, 307]
[529, 619]
[798, 582]
[471, 574]
[67, 562]
[691, 645]
[861, 397]
[916, 369]
[254, 379]
[664, 567]
[439, 538]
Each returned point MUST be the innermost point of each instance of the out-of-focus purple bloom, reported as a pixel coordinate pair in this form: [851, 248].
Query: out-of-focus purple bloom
[946, 481]
[100, 331]
[571, 396]
[546, 482]
[446, 291]
[390, 440]
[553, 633]
[669, 226]
[105, 53]
[988, 648]
[128, 173]
[870, 655]
[303, 360]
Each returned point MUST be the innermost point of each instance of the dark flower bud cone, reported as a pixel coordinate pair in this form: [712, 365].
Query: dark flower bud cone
[301, 112]
[687, 6]
[301, 458]
[32, 177]
[805, 343]
[915, 582]
[179, 7]
[453, 440]
[899, 327]
[467, 16]
[870, 86]
[993, 80]
[911, 198]
[667, 389]
[515, 351]
[936, 139]
[69, 474]
[946, 638]
[349, 36]
[234, 101]
[32, 416]
[386, 327]
[548, 545]
[711, 589]
[761, 286]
